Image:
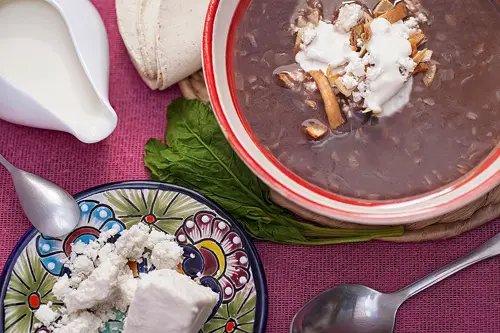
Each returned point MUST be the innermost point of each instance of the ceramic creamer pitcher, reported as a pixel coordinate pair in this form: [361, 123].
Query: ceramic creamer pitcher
[54, 67]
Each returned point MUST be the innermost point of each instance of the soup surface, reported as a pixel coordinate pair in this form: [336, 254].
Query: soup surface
[441, 134]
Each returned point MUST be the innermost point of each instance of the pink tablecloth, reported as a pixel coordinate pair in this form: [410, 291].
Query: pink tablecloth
[467, 302]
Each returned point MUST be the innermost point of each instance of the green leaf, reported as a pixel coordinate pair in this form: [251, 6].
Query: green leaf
[199, 157]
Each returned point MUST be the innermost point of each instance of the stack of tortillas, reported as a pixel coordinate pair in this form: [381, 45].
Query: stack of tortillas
[163, 37]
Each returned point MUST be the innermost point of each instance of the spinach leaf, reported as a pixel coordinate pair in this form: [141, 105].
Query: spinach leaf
[199, 157]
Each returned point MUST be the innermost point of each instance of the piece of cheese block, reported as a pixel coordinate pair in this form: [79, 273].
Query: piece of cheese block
[127, 12]
[167, 301]
[180, 34]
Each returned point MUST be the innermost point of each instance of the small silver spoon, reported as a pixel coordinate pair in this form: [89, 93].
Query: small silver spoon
[51, 210]
[354, 308]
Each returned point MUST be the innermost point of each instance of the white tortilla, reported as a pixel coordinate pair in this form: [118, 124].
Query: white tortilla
[180, 25]
[148, 34]
[127, 12]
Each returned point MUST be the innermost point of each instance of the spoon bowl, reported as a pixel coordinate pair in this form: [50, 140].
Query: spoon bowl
[51, 210]
[354, 308]
[348, 308]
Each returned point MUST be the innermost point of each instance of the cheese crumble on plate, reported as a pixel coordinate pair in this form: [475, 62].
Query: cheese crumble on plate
[101, 283]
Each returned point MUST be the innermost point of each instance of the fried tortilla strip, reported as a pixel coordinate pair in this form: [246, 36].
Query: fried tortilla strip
[339, 83]
[316, 131]
[356, 33]
[428, 56]
[331, 76]
[367, 33]
[417, 38]
[382, 7]
[430, 75]
[422, 67]
[368, 17]
[374, 112]
[286, 81]
[414, 49]
[310, 103]
[417, 58]
[396, 13]
[332, 107]
[363, 51]
[298, 41]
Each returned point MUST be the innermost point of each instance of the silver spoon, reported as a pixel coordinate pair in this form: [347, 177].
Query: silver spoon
[51, 210]
[354, 308]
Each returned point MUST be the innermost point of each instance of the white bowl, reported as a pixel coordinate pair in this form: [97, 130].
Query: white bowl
[218, 40]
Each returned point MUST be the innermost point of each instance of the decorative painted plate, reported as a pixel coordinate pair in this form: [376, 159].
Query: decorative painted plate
[215, 247]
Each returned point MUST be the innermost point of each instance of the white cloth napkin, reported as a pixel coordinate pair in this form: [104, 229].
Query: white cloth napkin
[163, 37]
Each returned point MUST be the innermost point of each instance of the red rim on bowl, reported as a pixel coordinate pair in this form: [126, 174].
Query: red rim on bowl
[219, 33]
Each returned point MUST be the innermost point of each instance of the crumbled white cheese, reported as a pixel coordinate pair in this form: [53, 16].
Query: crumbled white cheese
[357, 96]
[80, 322]
[132, 243]
[349, 81]
[167, 301]
[90, 250]
[407, 65]
[97, 288]
[356, 67]
[350, 15]
[106, 251]
[311, 86]
[101, 282]
[406, 29]
[81, 267]
[61, 287]
[411, 23]
[155, 237]
[46, 315]
[127, 286]
[166, 255]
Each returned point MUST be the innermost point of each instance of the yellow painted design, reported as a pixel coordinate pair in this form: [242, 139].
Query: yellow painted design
[219, 254]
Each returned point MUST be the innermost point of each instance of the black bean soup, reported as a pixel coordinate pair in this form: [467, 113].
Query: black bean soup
[444, 132]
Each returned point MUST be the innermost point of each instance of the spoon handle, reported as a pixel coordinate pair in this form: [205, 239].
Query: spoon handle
[6, 164]
[489, 249]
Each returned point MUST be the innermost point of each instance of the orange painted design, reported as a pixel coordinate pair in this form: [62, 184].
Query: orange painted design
[230, 326]
[150, 218]
[34, 301]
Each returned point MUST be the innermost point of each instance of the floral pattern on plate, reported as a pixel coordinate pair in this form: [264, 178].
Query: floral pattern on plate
[215, 250]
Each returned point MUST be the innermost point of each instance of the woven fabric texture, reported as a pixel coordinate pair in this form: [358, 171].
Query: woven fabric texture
[465, 303]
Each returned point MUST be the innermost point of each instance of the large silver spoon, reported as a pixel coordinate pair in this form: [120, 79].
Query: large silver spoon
[51, 210]
[354, 308]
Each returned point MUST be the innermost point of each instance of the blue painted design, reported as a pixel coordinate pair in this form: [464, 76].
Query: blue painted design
[192, 266]
[47, 245]
[212, 283]
[95, 217]
[117, 225]
[53, 263]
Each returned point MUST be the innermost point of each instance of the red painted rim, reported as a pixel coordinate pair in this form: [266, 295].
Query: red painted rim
[379, 218]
